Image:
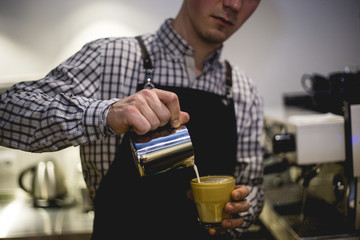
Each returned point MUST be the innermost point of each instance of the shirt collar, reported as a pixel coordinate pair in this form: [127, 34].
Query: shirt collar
[177, 46]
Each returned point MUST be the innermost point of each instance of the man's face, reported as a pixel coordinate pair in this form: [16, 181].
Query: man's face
[214, 21]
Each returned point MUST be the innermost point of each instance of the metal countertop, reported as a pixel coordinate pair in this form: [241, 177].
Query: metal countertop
[18, 218]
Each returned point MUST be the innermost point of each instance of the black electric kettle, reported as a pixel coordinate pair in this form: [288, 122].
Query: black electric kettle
[47, 184]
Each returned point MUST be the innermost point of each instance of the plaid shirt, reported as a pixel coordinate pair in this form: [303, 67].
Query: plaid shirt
[68, 107]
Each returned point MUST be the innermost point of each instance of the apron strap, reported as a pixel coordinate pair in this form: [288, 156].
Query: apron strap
[228, 80]
[147, 64]
[144, 54]
[149, 69]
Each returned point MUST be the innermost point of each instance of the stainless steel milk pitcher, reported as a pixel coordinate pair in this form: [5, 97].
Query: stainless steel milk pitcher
[162, 150]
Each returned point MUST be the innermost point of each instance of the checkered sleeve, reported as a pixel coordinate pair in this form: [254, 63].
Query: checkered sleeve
[59, 110]
[249, 169]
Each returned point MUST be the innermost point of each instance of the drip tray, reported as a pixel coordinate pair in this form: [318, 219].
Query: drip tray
[320, 219]
[281, 215]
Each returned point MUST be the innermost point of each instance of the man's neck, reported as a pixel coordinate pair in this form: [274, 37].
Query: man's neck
[202, 49]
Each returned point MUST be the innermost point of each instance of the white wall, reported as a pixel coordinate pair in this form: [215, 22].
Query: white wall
[283, 40]
[36, 35]
[287, 38]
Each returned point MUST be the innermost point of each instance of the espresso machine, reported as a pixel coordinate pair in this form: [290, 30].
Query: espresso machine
[312, 162]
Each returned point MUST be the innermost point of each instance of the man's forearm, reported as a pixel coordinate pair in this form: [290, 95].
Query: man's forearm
[36, 122]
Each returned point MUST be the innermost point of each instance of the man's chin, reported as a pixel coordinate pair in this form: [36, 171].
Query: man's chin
[216, 37]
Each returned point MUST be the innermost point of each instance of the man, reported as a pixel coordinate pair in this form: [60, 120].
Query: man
[97, 96]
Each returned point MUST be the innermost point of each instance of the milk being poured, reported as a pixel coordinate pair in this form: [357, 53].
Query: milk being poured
[196, 172]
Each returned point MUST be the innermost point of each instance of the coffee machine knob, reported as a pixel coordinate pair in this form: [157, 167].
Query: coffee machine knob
[339, 187]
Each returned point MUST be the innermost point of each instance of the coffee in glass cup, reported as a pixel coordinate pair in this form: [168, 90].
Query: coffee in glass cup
[210, 196]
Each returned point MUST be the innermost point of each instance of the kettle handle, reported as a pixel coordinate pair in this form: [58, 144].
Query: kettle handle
[21, 177]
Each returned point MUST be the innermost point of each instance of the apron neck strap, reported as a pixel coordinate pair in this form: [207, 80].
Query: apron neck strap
[149, 69]
[228, 80]
[147, 64]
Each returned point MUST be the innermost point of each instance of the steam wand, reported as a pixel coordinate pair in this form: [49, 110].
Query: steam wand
[308, 175]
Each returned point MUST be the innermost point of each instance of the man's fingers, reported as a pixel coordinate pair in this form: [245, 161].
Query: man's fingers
[146, 110]
[171, 101]
[227, 224]
[212, 231]
[232, 223]
[236, 207]
[184, 118]
[240, 193]
[155, 110]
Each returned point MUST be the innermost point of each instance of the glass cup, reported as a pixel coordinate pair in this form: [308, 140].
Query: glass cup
[210, 195]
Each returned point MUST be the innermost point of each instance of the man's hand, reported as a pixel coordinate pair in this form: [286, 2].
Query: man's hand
[146, 110]
[239, 204]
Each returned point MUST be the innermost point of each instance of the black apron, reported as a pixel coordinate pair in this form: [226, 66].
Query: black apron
[157, 207]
